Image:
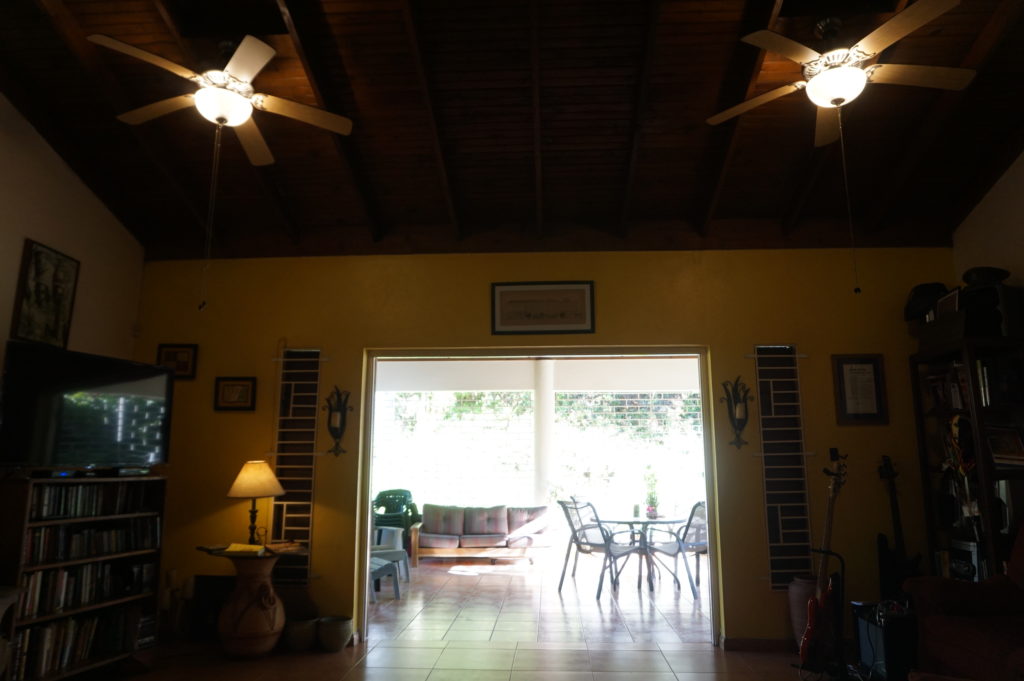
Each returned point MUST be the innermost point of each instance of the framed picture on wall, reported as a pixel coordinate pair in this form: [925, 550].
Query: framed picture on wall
[181, 357]
[45, 297]
[530, 307]
[234, 393]
[859, 382]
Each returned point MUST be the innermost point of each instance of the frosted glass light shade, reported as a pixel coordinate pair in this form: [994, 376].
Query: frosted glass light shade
[223, 106]
[256, 479]
[837, 86]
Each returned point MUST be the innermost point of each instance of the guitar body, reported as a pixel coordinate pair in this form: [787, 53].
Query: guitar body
[818, 645]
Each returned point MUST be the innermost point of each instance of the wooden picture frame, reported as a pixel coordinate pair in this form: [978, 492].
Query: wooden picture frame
[45, 295]
[1004, 441]
[859, 382]
[234, 393]
[539, 307]
[180, 357]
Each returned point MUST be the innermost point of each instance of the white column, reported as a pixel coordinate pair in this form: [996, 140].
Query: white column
[543, 426]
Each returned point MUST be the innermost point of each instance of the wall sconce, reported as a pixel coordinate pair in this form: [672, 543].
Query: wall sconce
[337, 412]
[737, 394]
[256, 480]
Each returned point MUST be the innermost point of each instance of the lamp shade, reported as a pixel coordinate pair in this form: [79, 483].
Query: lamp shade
[220, 105]
[836, 86]
[256, 479]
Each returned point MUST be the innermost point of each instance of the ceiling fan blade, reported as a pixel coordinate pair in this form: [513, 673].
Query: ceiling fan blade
[903, 24]
[253, 143]
[780, 44]
[249, 59]
[944, 77]
[306, 114]
[132, 51]
[826, 126]
[754, 102]
[156, 109]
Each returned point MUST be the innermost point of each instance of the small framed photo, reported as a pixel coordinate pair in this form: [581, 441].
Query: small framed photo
[234, 393]
[948, 304]
[45, 296]
[1004, 442]
[859, 382]
[532, 307]
[180, 357]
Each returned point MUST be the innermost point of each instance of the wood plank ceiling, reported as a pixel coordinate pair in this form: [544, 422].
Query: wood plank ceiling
[518, 125]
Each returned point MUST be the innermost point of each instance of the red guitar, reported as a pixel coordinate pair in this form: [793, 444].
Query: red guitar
[819, 644]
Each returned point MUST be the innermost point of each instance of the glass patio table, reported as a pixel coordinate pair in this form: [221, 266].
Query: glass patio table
[639, 529]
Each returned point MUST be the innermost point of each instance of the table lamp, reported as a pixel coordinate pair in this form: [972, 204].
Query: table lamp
[255, 480]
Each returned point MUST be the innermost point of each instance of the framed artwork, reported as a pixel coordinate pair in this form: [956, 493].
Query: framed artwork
[234, 393]
[531, 307]
[860, 390]
[45, 296]
[181, 357]
[1004, 442]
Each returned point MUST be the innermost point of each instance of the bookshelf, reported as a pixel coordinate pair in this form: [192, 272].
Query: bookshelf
[85, 552]
[969, 403]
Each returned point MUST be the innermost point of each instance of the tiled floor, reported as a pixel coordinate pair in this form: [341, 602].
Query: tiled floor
[508, 622]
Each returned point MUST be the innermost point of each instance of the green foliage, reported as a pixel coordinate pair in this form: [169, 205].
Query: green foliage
[649, 417]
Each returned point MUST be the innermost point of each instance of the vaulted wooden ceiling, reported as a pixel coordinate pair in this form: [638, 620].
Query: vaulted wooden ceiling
[518, 125]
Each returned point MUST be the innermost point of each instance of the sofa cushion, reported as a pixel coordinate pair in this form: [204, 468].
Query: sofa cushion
[975, 647]
[471, 541]
[438, 541]
[442, 519]
[521, 516]
[493, 520]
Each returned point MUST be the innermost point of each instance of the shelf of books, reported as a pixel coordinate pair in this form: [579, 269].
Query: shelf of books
[85, 553]
[969, 401]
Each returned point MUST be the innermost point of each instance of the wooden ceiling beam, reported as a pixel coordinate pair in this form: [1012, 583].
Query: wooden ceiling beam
[262, 174]
[538, 148]
[412, 34]
[303, 19]
[744, 70]
[86, 53]
[639, 111]
[817, 159]
[1003, 17]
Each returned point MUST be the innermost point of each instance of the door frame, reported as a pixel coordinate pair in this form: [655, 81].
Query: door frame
[363, 500]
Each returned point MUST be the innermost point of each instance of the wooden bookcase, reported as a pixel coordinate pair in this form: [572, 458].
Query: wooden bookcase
[86, 553]
[969, 402]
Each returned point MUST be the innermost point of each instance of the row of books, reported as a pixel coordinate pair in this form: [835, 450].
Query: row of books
[53, 591]
[52, 648]
[90, 499]
[57, 543]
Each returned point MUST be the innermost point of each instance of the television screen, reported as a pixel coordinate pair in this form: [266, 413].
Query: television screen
[65, 409]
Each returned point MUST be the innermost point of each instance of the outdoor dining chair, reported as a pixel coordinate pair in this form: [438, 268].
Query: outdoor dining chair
[590, 537]
[689, 538]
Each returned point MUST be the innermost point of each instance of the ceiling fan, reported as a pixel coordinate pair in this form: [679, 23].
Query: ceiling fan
[226, 97]
[838, 76]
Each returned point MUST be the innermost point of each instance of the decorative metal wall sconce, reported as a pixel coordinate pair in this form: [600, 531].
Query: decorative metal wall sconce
[337, 413]
[737, 394]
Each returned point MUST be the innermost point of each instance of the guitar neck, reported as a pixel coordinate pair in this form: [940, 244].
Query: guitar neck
[897, 525]
[826, 544]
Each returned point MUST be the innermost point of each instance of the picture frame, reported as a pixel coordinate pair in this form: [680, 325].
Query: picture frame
[1004, 442]
[45, 296]
[234, 393]
[948, 304]
[860, 395]
[180, 357]
[542, 307]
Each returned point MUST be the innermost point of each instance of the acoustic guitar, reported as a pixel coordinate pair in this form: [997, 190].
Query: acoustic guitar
[893, 564]
[820, 645]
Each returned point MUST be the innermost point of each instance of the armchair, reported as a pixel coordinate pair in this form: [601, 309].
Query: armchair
[395, 508]
[972, 629]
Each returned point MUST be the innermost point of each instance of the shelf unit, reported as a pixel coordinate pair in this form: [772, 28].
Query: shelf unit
[86, 553]
[969, 404]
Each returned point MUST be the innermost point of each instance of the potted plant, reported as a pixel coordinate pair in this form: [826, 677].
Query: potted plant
[652, 493]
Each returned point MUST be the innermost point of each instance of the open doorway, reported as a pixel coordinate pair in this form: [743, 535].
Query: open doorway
[624, 430]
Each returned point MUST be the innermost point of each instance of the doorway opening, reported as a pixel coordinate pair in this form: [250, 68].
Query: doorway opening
[624, 430]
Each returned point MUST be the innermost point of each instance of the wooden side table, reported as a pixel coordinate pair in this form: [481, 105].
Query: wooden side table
[251, 621]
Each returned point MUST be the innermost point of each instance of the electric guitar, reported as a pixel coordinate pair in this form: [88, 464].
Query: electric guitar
[893, 565]
[820, 645]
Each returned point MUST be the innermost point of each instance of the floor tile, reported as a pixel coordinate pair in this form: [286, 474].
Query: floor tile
[473, 658]
[552, 660]
[403, 657]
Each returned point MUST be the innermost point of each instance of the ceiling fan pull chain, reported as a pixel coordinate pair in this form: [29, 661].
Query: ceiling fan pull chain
[849, 209]
[208, 247]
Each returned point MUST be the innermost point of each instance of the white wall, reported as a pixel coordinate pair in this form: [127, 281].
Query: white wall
[44, 200]
[993, 234]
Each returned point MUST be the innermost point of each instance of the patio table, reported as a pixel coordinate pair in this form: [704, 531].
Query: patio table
[639, 528]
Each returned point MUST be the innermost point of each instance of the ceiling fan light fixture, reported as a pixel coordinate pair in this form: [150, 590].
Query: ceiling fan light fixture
[836, 86]
[223, 106]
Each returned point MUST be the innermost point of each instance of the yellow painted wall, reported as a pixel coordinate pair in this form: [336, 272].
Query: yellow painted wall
[728, 301]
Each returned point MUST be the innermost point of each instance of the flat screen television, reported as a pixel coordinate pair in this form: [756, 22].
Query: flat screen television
[71, 410]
